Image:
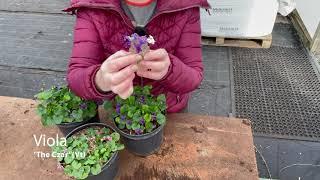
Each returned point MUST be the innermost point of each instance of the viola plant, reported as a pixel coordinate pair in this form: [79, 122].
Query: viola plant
[86, 152]
[60, 105]
[140, 113]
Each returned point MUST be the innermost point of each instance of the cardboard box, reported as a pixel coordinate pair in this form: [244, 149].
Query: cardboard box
[234, 18]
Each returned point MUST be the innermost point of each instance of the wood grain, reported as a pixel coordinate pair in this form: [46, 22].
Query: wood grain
[194, 147]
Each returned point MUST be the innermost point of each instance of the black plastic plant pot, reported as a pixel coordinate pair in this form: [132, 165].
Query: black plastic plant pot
[66, 128]
[143, 145]
[110, 169]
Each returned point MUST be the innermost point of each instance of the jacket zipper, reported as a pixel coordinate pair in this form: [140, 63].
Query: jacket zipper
[178, 98]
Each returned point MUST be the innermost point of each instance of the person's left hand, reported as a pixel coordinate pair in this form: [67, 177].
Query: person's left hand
[155, 64]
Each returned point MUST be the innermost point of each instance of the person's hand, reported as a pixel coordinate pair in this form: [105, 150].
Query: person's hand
[155, 65]
[116, 74]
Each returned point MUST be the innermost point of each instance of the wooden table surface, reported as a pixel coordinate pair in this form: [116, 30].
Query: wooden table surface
[194, 147]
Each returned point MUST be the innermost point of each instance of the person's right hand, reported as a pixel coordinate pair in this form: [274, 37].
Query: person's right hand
[116, 74]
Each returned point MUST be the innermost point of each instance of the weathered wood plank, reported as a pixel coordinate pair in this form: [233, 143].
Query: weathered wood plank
[315, 44]
[301, 28]
[251, 42]
[194, 147]
[22, 82]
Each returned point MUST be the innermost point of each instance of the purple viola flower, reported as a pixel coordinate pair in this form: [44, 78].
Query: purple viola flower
[83, 106]
[118, 107]
[140, 42]
[138, 131]
[142, 99]
[142, 121]
[135, 36]
[129, 122]
[127, 41]
[123, 118]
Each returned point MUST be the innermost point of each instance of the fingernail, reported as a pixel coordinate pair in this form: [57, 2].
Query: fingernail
[134, 67]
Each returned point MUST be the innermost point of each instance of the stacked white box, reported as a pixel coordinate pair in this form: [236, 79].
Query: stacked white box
[239, 18]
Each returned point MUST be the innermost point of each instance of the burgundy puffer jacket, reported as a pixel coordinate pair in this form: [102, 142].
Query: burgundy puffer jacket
[99, 32]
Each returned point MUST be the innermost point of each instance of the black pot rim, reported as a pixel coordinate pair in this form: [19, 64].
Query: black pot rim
[85, 126]
[75, 123]
[138, 137]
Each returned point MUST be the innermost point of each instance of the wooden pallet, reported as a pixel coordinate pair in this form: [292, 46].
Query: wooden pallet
[254, 42]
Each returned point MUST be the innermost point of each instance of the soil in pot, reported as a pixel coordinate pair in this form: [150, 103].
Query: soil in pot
[110, 168]
[142, 145]
[66, 128]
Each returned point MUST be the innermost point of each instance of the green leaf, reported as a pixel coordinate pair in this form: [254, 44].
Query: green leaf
[96, 169]
[130, 114]
[149, 126]
[44, 95]
[120, 147]
[135, 126]
[86, 172]
[146, 90]
[106, 130]
[121, 126]
[78, 173]
[48, 121]
[115, 136]
[128, 126]
[147, 117]
[69, 140]
[103, 150]
[89, 161]
[76, 142]
[107, 105]
[57, 119]
[145, 108]
[76, 164]
[69, 158]
[66, 97]
[118, 120]
[106, 155]
[123, 109]
[68, 170]
[131, 99]
[161, 98]
[113, 146]
[161, 119]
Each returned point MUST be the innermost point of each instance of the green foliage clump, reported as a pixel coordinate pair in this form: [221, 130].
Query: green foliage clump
[87, 152]
[140, 113]
[60, 105]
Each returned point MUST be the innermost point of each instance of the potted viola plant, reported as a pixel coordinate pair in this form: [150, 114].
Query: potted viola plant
[141, 117]
[89, 152]
[140, 120]
[61, 107]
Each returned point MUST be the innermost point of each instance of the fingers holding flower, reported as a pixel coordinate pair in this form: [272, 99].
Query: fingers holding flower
[155, 65]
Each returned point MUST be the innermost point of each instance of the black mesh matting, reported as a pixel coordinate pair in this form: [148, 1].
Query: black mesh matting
[279, 90]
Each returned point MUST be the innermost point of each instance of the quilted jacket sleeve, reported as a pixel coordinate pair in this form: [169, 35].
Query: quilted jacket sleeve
[86, 59]
[186, 70]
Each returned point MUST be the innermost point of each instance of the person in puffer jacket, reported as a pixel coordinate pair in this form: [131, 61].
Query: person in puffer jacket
[101, 67]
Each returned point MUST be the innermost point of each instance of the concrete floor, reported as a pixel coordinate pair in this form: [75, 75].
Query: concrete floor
[36, 40]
